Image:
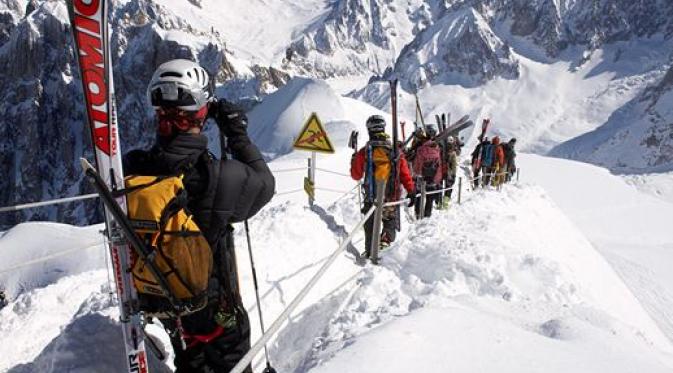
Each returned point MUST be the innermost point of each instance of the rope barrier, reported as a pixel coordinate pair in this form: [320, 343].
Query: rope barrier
[47, 258]
[347, 193]
[247, 359]
[47, 203]
[333, 190]
[333, 172]
[289, 192]
[289, 170]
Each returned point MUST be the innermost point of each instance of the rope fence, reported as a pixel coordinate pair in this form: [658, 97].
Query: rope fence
[288, 170]
[47, 258]
[289, 192]
[47, 203]
[333, 190]
[58, 201]
[333, 172]
[257, 347]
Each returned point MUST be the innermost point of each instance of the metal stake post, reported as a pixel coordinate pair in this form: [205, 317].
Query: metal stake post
[378, 218]
[424, 197]
[460, 189]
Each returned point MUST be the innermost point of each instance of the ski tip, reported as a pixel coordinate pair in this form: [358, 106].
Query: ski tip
[85, 164]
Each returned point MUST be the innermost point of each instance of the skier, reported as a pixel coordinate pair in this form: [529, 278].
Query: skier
[418, 138]
[3, 299]
[486, 162]
[373, 162]
[218, 336]
[498, 164]
[428, 169]
[450, 168]
[510, 158]
[476, 161]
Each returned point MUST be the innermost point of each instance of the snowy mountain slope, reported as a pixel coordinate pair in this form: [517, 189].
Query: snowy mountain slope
[255, 30]
[276, 122]
[26, 242]
[512, 256]
[463, 339]
[659, 185]
[549, 103]
[637, 138]
[631, 229]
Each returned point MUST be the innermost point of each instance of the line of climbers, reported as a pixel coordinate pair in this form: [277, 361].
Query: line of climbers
[495, 161]
[427, 162]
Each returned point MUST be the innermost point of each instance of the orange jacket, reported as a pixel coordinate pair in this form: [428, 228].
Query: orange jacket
[499, 153]
[358, 170]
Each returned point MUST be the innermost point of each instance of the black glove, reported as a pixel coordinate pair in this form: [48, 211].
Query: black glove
[412, 197]
[231, 120]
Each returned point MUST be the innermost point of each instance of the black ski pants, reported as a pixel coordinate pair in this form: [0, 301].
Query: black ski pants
[430, 200]
[450, 181]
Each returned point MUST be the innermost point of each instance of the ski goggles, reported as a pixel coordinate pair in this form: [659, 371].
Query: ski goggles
[173, 95]
[174, 119]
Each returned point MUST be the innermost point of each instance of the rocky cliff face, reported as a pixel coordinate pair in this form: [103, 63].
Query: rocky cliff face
[460, 48]
[43, 133]
[556, 24]
[363, 36]
[357, 37]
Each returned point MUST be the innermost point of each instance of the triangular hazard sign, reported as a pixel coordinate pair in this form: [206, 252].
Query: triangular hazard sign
[313, 137]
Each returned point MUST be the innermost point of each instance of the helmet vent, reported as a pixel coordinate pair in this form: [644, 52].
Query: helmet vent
[171, 73]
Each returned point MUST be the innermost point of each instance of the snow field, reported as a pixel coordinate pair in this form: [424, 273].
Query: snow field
[508, 265]
[631, 229]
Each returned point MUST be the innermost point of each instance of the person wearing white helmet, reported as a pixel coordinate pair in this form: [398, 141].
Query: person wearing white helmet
[220, 192]
[373, 163]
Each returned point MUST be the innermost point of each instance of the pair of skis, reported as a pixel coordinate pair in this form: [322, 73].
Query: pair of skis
[89, 21]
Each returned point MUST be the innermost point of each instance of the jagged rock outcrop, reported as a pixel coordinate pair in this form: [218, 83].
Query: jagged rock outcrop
[459, 48]
[357, 37]
[365, 36]
[10, 14]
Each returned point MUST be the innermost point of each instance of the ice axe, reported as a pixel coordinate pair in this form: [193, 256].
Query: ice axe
[353, 141]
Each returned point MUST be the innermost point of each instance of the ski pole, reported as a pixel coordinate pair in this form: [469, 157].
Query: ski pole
[269, 368]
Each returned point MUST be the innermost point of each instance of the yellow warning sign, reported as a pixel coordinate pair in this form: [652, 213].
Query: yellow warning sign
[309, 187]
[313, 137]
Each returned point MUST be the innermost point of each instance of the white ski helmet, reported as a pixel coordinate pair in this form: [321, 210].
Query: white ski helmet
[180, 83]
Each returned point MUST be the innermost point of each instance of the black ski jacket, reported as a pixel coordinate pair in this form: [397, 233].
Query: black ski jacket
[220, 192]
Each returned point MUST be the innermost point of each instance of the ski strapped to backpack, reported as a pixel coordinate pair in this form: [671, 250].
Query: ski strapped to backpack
[396, 153]
[89, 22]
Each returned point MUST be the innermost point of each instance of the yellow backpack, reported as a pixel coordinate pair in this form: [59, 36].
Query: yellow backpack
[157, 211]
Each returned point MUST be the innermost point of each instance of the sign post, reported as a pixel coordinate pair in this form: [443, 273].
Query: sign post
[313, 138]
